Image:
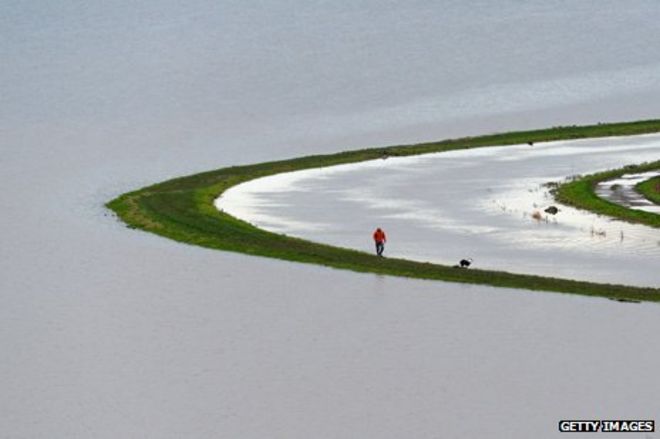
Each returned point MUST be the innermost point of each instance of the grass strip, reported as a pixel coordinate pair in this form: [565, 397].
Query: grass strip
[579, 192]
[182, 209]
[650, 189]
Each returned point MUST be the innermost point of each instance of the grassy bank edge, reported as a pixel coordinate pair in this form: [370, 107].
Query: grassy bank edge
[649, 189]
[182, 209]
[580, 193]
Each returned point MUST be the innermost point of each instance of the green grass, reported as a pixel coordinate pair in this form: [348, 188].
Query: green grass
[650, 189]
[580, 193]
[182, 209]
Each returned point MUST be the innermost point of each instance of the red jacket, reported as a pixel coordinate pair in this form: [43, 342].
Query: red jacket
[379, 236]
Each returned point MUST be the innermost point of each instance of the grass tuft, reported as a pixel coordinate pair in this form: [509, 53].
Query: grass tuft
[650, 189]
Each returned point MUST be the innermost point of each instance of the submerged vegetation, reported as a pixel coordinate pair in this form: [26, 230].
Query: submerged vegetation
[650, 189]
[579, 192]
[182, 209]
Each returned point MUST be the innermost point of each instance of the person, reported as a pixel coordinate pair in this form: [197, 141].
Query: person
[380, 239]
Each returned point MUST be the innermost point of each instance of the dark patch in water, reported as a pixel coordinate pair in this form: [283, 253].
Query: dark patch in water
[625, 300]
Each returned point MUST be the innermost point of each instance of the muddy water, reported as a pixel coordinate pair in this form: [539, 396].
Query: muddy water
[111, 333]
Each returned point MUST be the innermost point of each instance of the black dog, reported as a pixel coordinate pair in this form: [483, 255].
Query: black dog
[465, 263]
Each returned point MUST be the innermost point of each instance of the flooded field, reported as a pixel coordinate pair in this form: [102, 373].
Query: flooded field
[488, 204]
[622, 191]
[107, 332]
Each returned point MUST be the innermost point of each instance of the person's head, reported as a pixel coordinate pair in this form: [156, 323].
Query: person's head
[378, 229]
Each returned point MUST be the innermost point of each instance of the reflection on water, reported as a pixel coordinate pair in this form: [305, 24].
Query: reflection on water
[490, 204]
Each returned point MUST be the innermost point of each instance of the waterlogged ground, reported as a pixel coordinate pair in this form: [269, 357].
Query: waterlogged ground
[486, 203]
[108, 332]
[622, 191]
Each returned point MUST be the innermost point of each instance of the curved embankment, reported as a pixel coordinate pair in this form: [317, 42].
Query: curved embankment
[182, 209]
[650, 189]
[580, 193]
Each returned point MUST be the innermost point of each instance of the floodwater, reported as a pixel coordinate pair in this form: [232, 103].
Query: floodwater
[622, 191]
[108, 332]
[487, 203]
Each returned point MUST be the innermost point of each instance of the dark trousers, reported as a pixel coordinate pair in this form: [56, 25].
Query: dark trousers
[380, 246]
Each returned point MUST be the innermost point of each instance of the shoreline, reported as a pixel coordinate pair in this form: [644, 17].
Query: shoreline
[182, 209]
[582, 194]
[623, 191]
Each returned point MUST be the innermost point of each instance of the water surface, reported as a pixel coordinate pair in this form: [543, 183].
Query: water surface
[112, 333]
[622, 191]
[488, 204]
